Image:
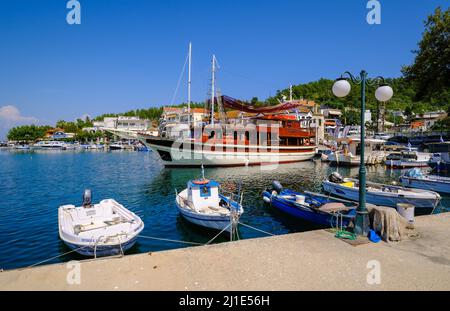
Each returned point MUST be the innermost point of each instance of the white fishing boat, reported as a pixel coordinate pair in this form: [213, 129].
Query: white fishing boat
[202, 204]
[102, 229]
[380, 194]
[416, 179]
[408, 159]
[350, 153]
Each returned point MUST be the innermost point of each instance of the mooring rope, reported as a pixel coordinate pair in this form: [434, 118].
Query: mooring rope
[248, 226]
[168, 240]
[218, 234]
[55, 257]
[151, 238]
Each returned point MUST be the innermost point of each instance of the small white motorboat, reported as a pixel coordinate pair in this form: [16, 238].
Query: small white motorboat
[96, 147]
[102, 229]
[380, 194]
[49, 144]
[203, 205]
[22, 147]
[117, 146]
[416, 179]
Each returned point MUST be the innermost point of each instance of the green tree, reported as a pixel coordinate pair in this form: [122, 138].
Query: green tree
[430, 72]
[27, 132]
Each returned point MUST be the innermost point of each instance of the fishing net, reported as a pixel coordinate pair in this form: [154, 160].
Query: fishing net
[391, 226]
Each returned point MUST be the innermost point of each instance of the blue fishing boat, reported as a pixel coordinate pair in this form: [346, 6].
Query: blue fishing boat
[316, 208]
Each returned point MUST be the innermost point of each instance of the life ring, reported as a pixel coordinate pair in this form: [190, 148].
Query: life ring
[201, 182]
[307, 141]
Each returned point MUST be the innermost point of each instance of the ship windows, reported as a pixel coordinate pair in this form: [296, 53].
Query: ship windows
[205, 192]
[165, 156]
[292, 142]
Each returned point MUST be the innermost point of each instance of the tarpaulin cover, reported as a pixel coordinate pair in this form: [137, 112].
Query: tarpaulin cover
[232, 103]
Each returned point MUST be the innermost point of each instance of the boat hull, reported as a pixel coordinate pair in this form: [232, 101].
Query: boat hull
[319, 218]
[211, 222]
[403, 164]
[379, 198]
[350, 160]
[432, 185]
[199, 154]
[102, 251]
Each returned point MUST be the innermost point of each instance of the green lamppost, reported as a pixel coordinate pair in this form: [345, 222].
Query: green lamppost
[384, 92]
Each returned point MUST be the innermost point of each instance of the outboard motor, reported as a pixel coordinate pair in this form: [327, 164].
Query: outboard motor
[276, 185]
[87, 198]
[336, 178]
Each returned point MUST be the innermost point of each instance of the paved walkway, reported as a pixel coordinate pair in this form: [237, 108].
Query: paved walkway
[304, 261]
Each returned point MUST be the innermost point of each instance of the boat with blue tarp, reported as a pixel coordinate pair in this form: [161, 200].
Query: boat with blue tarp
[417, 179]
[318, 209]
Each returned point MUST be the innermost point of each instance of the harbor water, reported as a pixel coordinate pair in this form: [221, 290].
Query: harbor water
[34, 184]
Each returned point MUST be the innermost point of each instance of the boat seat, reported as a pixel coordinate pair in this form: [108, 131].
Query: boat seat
[334, 207]
[214, 210]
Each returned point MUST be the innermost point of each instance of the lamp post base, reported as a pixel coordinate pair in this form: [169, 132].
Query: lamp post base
[362, 223]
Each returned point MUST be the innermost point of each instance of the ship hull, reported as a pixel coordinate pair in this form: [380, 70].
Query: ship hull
[197, 154]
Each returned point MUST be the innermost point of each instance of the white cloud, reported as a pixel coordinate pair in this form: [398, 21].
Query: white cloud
[84, 116]
[10, 116]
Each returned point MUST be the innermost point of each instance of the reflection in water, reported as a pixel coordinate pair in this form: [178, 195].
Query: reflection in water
[35, 184]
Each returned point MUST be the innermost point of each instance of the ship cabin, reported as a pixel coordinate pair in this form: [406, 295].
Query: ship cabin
[353, 145]
[203, 193]
[288, 133]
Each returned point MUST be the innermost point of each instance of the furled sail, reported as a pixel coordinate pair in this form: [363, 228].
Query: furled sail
[236, 104]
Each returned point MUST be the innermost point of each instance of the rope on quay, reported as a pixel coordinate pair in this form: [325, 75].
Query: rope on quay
[146, 237]
[55, 257]
[248, 226]
[169, 240]
[440, 208]
[210, 241]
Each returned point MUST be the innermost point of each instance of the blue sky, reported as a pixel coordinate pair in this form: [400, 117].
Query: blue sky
[128, 54]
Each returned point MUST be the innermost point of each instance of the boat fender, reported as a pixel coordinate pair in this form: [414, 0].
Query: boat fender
[266, 199]
[87, 198]
[276, 185]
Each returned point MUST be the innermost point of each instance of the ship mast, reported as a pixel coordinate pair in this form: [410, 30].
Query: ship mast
[212, 88]
[290, 92]
[189, 85]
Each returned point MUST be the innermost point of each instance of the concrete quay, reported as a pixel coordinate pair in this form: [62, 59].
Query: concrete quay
[313, 260]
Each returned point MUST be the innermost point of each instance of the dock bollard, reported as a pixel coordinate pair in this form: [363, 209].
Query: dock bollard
[407, 211]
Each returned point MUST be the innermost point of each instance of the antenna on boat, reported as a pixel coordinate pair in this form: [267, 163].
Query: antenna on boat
[189, 85]
[290, 92]
[212, 88]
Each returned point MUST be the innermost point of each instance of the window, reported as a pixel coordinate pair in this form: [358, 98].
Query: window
[205, 191]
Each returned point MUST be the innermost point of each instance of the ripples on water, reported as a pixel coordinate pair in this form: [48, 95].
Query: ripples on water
[34, 184]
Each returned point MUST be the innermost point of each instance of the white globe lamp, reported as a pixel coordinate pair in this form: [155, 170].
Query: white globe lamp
[384, 93]
[341, 87]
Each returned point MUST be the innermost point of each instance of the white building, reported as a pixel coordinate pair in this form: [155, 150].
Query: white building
[123, 123]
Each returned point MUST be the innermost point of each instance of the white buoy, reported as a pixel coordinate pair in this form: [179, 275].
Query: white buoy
[406, 211]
